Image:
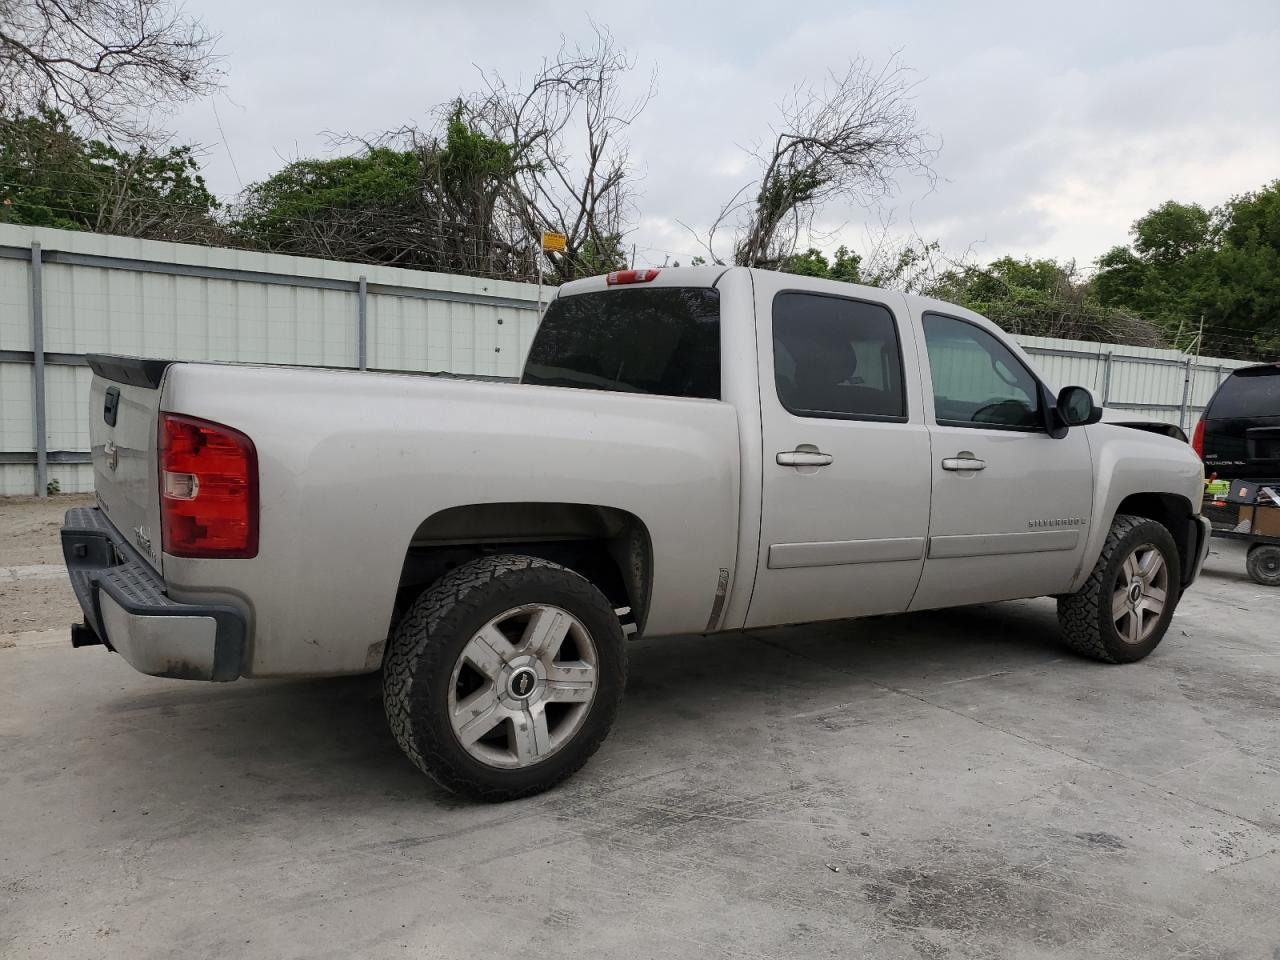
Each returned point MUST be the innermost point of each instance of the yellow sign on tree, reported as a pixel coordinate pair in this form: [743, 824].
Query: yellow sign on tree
[554, 242]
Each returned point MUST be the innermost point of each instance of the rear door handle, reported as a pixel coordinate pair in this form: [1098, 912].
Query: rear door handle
[803, 458]
[964, 463]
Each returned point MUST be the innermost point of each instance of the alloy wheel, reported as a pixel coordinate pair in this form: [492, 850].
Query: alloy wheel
[523, 685]
[1142, 588]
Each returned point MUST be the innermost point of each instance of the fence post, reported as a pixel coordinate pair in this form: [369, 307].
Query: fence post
[1106, 378]
[37, 371]
[362, 333]
[1186, 396]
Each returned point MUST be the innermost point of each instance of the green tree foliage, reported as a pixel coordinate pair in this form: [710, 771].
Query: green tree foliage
[52, 176]
[845, 265]
[910, 266]
[433, 203]
[1186, 262]
[598, 256]
[337, 207]
[1040, 297]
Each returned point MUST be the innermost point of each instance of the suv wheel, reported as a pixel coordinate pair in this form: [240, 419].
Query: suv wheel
[1263, 564]
[1123, 610]
[504, 676]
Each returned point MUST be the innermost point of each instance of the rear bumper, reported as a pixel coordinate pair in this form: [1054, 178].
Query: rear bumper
[126, 605]
[1201, 531]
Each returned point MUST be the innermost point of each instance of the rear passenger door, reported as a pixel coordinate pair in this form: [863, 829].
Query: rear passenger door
[1011, 504]
[845, 484]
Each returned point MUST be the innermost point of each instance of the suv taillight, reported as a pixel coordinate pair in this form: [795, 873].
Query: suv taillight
[1197, 438]
[208, 489]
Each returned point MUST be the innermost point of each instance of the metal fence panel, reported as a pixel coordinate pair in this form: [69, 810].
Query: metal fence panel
[1150, 381]
[105, 294]
[17, 430]
[15, 303]
[178, 301]
[433, 335]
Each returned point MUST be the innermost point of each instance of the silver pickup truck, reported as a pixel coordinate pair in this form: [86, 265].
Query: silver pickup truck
[688, 451]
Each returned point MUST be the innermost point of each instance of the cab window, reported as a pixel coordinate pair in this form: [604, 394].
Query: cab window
[977, 380]
[837, 358]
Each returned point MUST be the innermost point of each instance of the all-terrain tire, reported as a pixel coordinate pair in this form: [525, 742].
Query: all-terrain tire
[1263, 564]
[1085, 616]
[428, 642]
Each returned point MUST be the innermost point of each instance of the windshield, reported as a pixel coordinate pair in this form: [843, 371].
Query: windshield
[660, 340]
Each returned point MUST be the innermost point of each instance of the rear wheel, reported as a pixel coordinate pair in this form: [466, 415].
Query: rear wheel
[1263, 564]
[504, 676]
[1122, 612]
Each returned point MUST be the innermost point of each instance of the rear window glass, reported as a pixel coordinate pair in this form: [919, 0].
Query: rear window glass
[1248, 393]
[661, 340]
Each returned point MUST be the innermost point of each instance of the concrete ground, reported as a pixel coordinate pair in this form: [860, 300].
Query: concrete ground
[940, 785]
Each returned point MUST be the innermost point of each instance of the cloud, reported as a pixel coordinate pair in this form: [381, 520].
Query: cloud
[1057, 130]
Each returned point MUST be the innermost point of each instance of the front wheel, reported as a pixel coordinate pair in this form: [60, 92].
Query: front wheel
[504, 676]
[1123, 610]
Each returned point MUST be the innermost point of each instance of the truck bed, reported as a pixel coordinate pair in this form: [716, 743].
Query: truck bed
[352, 464]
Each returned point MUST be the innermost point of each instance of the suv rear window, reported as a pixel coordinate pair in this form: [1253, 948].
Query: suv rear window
[660, 340]
[1252, 392]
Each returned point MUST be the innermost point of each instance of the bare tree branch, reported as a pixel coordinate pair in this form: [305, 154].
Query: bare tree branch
[110, 65]
[847, 141]
[566, 128]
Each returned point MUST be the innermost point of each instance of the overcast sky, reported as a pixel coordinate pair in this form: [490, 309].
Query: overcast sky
[1059, 123]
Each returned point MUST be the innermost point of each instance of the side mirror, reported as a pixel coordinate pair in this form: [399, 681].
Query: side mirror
[1076, 407]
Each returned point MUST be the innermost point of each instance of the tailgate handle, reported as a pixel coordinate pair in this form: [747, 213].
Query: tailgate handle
[111, 406]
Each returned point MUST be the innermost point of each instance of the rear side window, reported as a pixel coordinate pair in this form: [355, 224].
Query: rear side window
[1248, 393]
[837, 358]
[660, 340]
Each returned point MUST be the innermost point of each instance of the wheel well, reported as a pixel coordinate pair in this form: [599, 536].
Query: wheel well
[608, 546]
[1167, 509]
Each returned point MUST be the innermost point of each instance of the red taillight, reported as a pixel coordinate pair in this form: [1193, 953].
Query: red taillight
[208, 489]
[1197, 438]
[630, 276]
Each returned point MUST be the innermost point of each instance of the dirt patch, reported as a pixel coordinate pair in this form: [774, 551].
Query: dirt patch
[37, 605]
[29, 528]
[1107, 841]
[30, 599]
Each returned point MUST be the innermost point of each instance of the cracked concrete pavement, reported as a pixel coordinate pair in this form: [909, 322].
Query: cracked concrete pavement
[937, 785]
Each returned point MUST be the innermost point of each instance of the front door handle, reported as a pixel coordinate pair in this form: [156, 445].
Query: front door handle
[803, 458]
[966, 461]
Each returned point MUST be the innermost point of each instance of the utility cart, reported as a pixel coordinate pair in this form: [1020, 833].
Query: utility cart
[1250, 511]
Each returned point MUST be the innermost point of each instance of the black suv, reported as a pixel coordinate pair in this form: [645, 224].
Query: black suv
[1238, 438]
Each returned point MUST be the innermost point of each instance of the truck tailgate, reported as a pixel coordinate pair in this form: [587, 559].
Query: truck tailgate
[124, 408]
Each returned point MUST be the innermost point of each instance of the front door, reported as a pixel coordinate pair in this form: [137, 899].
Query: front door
[845, 489]
[1011, 505]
